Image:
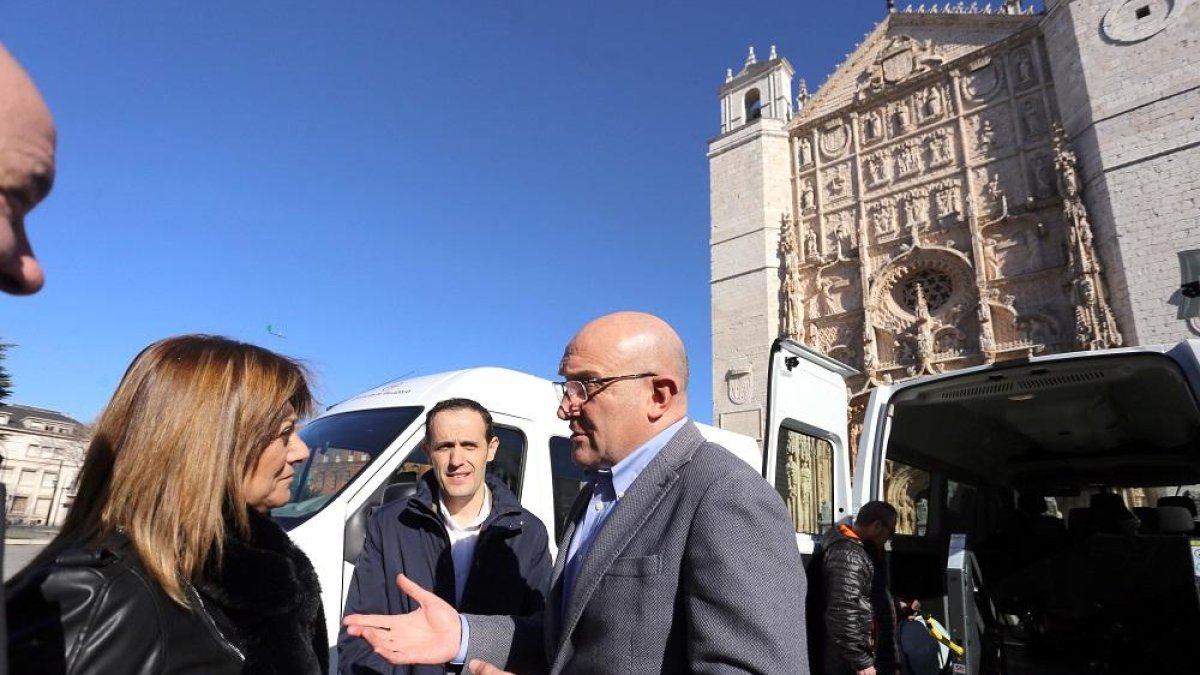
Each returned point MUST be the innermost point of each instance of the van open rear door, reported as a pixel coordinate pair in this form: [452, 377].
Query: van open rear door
[807, 455]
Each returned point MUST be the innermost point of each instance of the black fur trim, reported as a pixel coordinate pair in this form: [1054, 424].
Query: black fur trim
[269, 592]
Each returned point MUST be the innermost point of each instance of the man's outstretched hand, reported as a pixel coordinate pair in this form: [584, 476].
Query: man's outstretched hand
[431, 634]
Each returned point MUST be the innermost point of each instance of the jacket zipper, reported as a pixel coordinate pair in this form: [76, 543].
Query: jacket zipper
[212, 625]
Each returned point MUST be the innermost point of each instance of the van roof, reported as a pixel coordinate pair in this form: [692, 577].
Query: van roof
[500, 390]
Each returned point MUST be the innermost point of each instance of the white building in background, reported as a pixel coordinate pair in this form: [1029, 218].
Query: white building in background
[970, 185]
[41, 452]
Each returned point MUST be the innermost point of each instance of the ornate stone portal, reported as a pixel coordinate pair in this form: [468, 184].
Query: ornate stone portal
[940, 213]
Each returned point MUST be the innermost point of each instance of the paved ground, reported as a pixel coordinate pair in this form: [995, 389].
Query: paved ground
[17, 555]
[21, 544]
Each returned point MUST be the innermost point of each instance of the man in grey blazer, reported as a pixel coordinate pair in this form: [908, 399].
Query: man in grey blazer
[678, 558]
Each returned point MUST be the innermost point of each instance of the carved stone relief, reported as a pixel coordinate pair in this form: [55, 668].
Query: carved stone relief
[835, 138]
[1024, 73]
[947, 205]
[876, 171]
[1042, 177]
[991, 199]
[983, 81]
[1013, 253]
[883, 219]
[1033, 118]
[932, 104]
[901, 58]
[914, 208]
[906, 159]
[937, 149]
[1038, 329]
[842, 234]
[837, 182]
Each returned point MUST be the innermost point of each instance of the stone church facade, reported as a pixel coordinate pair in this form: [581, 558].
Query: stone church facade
[969, 186]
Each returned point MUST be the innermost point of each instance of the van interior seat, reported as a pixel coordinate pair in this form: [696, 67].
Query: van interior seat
[1175, 520]
[1032, 517]
[1138, 590]
[1079, 521]
[1179, 500]
[1109, 515]
[1148, 519]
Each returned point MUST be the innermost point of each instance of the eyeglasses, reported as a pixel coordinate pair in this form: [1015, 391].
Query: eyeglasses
[576, 391]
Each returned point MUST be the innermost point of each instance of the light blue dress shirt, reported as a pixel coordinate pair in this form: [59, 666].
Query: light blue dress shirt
[609, 486]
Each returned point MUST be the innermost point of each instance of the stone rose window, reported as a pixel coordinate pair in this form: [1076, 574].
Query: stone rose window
[936, 285]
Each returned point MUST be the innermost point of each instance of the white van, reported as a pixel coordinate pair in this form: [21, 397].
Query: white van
[1047, 506]
[366, 451]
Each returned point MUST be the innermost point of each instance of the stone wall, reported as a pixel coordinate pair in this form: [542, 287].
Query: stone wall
[1129, 88]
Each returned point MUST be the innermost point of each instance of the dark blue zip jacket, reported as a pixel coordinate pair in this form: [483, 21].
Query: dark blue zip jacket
[510, 574]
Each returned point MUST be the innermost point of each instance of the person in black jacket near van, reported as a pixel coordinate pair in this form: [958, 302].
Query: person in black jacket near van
[168, 562]
[854, 631]
[463, 534]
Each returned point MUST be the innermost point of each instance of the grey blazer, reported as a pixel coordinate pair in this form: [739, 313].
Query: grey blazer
[696, 570]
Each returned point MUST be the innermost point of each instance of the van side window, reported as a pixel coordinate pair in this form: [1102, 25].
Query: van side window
[509, 465]
[960, 506]
[568, 481]
[804, 478]
[907, 488]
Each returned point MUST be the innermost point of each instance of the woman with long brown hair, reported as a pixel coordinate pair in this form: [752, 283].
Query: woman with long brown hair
[168, 561]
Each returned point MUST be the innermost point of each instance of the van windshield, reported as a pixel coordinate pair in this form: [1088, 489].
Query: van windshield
[341, 446]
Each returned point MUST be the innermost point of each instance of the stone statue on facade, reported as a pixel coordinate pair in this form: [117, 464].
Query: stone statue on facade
[997, 197]
[939, 150]
[1095, 326]
[805, 157]
[811, 252]
[871, 126]
[846, 243]
[1032, 119]
[807, 196]
[875, 170]
[901, 119]
[1024, 68]
[933, 103]
[1064, 162]
[793, 306]
[985, 136]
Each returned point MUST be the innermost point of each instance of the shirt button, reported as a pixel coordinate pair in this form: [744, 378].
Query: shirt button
[599, 506]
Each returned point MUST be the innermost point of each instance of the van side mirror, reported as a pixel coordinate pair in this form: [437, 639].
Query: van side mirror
[399, 486]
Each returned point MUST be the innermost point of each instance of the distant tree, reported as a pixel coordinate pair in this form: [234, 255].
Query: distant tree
[5, 382]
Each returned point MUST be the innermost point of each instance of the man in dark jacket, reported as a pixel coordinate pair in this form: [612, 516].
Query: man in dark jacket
[463, 534]
[856, 615]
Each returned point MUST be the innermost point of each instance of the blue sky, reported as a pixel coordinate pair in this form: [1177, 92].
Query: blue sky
[394, 187]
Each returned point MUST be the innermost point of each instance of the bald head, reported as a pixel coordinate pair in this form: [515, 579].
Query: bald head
[632, 374]
[638, 341]
[27, 143]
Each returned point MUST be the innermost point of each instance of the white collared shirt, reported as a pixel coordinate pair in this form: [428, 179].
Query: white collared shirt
[463, 540]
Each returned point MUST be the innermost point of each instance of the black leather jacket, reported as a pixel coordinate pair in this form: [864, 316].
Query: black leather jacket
[98, 612]
[859, 620]
[95, 611]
